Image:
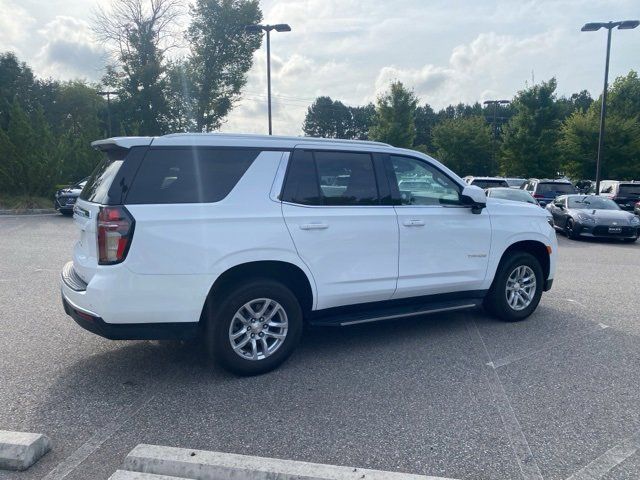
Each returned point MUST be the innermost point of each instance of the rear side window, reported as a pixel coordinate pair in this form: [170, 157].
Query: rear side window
[631, 189]
[346, 178]
[189, 175]
[96, 189]
[301, 185]
[555, 189]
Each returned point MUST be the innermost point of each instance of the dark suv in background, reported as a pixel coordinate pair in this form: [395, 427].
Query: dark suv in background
[545, 191]
[625, 194]
[65, 198]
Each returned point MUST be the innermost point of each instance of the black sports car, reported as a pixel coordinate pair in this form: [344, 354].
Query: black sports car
[66, 198]
[593, 216]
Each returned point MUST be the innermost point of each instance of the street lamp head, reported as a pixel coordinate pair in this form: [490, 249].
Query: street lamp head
[504, 101]
[282, 27]
[592, 27]
[628, 24]
[253, 28]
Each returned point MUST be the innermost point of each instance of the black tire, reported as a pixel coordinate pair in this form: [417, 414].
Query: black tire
[629, 240]
[496, 300]
[66, 213]
[222, 313]
[569, 229]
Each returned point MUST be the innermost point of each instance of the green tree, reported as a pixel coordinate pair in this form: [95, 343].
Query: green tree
[464, 145]
[16, 83]
[529, 140]
[140, 33]
[395, 117]
[361, 120]
[425, 120]
[624, 96]
[221, 55]
[327, 118]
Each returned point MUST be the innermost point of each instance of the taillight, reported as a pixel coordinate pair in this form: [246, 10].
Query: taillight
[115, 231]
[537, 195]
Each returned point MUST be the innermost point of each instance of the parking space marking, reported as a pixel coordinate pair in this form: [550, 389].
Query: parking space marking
[546, 346]
[69, 464]
[609, 460]
[527, 463]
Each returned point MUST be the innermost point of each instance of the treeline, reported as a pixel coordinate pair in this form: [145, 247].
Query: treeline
[536, 134]
[46, 125]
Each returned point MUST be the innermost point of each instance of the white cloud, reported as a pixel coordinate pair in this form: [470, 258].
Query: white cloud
[70, 50]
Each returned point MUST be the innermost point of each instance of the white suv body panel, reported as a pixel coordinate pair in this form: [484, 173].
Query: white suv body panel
[179, 250]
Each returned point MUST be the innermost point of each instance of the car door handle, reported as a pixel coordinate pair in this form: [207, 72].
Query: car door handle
[313, 226]
[413, 223]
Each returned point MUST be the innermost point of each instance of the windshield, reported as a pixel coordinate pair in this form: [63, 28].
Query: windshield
[630, 189]
[516, 182]
[511, 194]
[591, 202]
[554, 189]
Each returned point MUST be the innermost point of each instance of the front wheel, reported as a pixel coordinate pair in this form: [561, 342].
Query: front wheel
[517, 288]
[630, 240]
[570, 229]
[255, 327]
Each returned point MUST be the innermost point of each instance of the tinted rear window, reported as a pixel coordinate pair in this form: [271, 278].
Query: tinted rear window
[189, 175]
[631, 189]
[555, 189]
[489, 183]
[96, 189]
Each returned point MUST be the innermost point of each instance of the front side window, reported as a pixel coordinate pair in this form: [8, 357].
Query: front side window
[421, 184]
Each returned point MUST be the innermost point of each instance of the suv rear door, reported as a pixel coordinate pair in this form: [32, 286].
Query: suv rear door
[334, 207]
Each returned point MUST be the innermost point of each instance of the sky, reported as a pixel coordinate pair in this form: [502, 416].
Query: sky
[447, 51]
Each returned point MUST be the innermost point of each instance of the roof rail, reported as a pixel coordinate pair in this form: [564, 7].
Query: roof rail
[276, 137]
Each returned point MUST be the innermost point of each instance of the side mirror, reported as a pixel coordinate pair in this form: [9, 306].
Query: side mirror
[474, 197]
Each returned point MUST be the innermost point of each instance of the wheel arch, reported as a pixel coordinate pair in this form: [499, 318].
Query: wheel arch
[534, 247]
[287, 273]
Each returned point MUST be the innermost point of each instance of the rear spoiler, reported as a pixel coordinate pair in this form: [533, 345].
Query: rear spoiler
[121, 142]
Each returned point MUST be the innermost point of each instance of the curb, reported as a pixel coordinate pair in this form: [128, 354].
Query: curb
[27, 211]
[19, 450]
[124, 475]
[206, 465]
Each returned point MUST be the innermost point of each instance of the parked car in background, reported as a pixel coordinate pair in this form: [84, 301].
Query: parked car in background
[65, 198]
[545, 190]
[586, 187]
[593, 216]
[511, 194]
[242, 239]
[625, 194]
[636, 210]
[516, 182]
[487, 182]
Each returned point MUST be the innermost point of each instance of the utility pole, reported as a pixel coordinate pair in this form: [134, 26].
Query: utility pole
[494, 125]
[108, 95]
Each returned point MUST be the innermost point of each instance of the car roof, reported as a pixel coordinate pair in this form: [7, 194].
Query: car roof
[239, 139]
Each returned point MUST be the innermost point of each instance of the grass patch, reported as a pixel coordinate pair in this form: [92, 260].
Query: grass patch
[24, 202]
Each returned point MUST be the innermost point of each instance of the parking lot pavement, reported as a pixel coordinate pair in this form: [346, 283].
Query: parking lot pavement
[461, 396]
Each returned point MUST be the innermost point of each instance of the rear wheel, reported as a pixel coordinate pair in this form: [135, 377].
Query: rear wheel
[517, 288]
[255, 327]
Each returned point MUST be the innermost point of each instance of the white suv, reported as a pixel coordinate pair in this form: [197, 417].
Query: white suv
[242, 239]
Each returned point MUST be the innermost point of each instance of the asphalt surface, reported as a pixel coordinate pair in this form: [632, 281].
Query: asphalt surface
[456, 395]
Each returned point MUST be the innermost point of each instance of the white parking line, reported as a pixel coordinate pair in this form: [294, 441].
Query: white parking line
[609, 460]
[546, 346]
[527, 463]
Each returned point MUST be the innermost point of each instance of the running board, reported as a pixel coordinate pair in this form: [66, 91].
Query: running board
[367, 314]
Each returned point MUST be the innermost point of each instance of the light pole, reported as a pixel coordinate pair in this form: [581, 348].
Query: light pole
[108, 95]
[495, 104]
[280, 27]
[592, 27]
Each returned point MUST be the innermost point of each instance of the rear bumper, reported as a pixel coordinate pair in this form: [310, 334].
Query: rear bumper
[74, 291]
[600, 232]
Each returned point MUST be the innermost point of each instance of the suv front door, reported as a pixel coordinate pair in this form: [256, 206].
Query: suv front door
[444, 247]
[341, 228]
